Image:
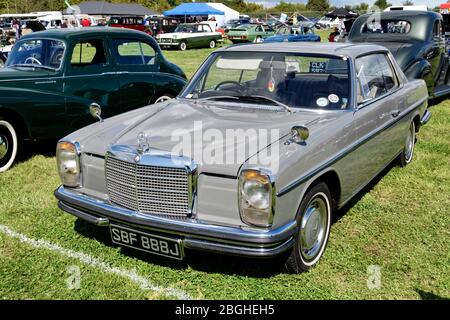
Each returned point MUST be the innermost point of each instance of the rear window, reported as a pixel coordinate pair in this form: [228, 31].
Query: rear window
[387, 26]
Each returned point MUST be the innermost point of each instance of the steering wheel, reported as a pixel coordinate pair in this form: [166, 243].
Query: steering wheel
[32, 59]
[241, 87]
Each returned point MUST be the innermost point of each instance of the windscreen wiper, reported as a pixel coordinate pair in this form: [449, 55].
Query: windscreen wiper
[251, 98]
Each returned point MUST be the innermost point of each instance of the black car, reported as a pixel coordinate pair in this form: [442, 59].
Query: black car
[417, 41]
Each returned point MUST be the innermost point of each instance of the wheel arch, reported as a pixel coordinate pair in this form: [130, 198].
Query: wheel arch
[22, 127]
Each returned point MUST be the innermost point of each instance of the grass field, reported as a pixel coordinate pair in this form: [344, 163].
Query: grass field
[399, 225]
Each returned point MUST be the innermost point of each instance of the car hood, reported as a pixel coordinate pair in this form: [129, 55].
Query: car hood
[170, 123]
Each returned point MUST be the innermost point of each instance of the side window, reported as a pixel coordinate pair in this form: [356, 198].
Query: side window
[258, 29]
[387, 71]
[437, 29]
[375, 77]
[129, 52]
[88, 53]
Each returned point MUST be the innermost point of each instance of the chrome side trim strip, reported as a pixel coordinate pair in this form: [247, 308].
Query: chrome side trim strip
[346, 151]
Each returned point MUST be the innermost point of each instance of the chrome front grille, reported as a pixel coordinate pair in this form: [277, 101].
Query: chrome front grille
[149, 189]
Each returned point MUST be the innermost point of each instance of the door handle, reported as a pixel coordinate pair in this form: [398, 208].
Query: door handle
[395, 113]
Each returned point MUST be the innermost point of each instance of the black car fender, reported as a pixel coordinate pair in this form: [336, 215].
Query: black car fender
[419, 69]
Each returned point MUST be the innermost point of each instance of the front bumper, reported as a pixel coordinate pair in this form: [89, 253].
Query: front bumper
[195, 234]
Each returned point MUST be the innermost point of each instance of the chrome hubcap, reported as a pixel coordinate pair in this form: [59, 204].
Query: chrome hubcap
[409, 148]
[313, 228]
[3, 146]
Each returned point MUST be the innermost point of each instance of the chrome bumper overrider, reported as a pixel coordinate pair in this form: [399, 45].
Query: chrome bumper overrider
[195, 234]
[425, 118]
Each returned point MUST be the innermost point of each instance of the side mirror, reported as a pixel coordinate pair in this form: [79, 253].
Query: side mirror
[299, 134]
[96, 111]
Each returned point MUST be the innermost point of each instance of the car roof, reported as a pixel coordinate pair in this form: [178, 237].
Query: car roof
[347, 49]
[69, 33]
[410, 14]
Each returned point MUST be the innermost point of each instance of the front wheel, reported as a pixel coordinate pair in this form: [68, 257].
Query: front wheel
[183, 45]
[408, 151]
[314, 221]
[8, 145]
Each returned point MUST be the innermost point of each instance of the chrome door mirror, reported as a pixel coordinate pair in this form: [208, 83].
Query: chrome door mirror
[96, 111]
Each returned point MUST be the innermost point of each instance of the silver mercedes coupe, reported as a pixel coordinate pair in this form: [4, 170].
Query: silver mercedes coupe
[252, 158]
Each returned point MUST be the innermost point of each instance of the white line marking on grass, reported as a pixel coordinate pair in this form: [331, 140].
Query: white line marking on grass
[144, 283]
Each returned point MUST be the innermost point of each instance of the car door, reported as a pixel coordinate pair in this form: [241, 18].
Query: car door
[379, 104]
[136, 62]
[89, 78]
[436, 54]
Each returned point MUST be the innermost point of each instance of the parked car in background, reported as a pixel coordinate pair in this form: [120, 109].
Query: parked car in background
[328, 23]
[190, 35]
[293, 34]
[8, 39]
[417, 41]
[131, 22]
[233, 23]
[52, 79]
[162, 24]
[342, 112]
[250, 33]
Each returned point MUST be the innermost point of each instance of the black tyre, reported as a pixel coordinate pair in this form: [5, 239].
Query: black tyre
[9, 145]
[408, 151]
[314, 222]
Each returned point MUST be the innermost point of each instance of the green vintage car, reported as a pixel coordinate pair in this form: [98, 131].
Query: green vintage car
[190, 35]
[250, 33]
[54, 79]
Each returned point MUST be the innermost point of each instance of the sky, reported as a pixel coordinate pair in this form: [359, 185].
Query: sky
[341, 3]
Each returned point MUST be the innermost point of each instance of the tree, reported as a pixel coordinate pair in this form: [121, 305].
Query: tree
[408, 3]
[382, 4]
[318, 5]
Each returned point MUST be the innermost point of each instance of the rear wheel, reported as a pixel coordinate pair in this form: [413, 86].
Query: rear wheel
[183, 45]
[408, 151]
[314, 221]
[258, 39]
[8, 145]
[212, 44]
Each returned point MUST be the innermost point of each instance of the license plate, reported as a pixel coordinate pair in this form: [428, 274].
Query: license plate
[151, 243]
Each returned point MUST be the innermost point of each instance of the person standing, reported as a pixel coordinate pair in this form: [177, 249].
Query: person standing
[86, 22]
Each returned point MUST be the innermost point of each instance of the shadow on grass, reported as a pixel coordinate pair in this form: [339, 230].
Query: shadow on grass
[201, 261]
[30, 149]
[215, 263]
[424, 295]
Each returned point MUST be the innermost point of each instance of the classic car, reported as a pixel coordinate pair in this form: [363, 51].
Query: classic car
[162, 24]
[293, 34]
[252, 158]
[190, 35]
[417, 41]
[131, 22]
[250, 33]
[52, 78]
